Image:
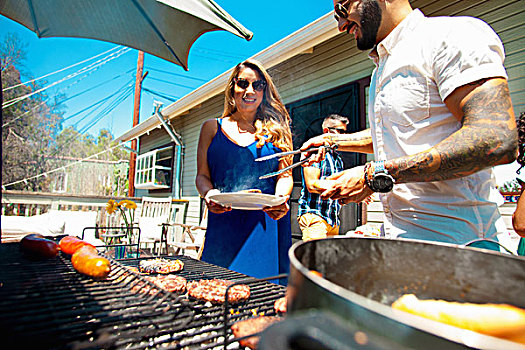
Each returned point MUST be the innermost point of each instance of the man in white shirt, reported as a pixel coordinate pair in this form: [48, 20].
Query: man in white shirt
[441, 117]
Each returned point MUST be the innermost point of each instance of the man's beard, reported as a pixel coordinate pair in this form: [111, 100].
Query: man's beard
[370, 21]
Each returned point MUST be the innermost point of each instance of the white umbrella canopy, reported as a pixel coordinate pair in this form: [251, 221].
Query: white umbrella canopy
[163, 28]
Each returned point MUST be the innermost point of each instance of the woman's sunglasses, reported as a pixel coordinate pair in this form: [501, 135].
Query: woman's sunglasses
[340, 10]
[257, 85]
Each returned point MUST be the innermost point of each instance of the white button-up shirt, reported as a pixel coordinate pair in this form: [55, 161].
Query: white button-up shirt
[418, 65]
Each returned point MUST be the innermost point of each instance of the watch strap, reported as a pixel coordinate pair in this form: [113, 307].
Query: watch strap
[379, 167]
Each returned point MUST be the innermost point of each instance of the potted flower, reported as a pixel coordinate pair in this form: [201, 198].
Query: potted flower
[126, 208]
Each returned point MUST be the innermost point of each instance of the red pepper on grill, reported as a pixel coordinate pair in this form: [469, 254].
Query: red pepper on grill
[35, 246]
[70, 244]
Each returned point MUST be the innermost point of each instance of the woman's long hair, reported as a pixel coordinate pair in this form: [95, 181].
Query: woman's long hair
[272, 121]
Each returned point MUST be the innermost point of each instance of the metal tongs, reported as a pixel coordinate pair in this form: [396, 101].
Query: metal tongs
[294, 165]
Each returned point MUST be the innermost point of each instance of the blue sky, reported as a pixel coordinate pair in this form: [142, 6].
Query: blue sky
[212, 54]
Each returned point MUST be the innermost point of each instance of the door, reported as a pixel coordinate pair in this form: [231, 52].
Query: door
[307, 116]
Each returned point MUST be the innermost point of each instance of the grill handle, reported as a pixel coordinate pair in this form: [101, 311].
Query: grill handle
[242, 281]
[318, 329]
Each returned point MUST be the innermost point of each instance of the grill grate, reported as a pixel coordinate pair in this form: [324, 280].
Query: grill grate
[47, 304]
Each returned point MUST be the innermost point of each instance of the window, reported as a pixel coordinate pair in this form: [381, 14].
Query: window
[60, 182]
[154, 169]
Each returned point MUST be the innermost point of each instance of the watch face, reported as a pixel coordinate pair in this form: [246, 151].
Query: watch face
[383, 183]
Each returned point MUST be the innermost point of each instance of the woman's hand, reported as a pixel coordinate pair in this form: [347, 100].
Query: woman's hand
[278, 211]
[215, 207]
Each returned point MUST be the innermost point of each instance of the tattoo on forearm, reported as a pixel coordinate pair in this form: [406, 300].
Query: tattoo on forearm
[488, 137]
[354, 139]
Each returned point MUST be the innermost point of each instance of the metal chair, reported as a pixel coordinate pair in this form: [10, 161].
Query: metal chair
[154, 214]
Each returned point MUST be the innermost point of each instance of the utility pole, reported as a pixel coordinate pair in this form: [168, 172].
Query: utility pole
[136, 112]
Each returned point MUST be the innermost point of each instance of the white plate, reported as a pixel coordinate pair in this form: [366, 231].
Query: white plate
[247, 201]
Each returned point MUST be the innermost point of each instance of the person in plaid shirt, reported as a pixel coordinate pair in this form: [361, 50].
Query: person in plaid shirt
[319, 218]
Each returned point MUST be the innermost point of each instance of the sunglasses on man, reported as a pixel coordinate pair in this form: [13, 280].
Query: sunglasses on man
[336, 130]
[257, 85]
[340, 10]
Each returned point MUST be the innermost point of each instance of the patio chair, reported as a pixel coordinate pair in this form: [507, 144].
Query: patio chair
[154, 213]
[191, 240]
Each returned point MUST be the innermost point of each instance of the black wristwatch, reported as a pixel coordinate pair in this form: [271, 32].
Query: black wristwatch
[381, 181]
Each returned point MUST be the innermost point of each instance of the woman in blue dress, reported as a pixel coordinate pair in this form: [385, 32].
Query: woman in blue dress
[254, 123]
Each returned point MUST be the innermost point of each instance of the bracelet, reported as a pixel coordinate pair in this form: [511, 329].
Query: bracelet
[379, 166]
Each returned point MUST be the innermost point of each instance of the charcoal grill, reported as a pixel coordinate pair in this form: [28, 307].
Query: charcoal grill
[46, 304]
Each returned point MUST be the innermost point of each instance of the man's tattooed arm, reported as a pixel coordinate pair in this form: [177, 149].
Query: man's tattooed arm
[488, 137]
[360, 141]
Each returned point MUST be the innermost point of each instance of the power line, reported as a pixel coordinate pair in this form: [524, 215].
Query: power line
[172, 83]
[169, 98]
[96, 86]
[177, 75]
[71, 97]
[97, 117]
[123, 90]
[215, 58]
[127, 84]
[58, 71]
[88, 68]
[92, 66]
[221, 53]
[108, 110]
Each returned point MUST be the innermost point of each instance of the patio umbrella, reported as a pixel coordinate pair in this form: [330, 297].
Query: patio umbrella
[163, 28]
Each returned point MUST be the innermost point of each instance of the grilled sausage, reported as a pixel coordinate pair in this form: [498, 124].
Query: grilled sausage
[87, 261]
[37, 247]
[499, 320]
[70, 244]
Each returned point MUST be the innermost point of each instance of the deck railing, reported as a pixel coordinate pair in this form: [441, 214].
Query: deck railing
[34, 203]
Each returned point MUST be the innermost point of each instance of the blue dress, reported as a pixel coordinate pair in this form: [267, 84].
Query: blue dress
[246, 241]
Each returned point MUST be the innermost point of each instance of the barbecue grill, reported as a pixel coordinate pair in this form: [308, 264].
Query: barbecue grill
[47, 304]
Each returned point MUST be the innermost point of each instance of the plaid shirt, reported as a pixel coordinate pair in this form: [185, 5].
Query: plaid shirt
[312, 202]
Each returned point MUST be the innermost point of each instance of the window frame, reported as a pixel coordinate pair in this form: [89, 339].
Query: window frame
[146, 166]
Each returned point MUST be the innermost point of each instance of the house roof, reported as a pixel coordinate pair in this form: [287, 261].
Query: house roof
[296, 43]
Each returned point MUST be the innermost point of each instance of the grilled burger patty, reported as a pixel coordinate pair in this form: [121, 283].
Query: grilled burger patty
[280, 305]
[160, 265]
[214, 291]
[252, 326]
[171, 283]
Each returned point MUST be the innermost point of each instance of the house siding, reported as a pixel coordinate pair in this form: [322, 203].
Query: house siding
[336, 62]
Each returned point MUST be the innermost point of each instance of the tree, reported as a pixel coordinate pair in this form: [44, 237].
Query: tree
[12, 52]
[33, 141]
[105, 141]
[30, 125]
